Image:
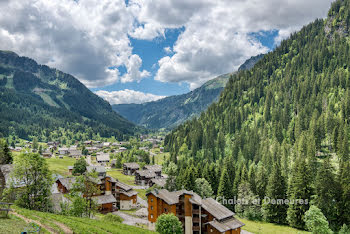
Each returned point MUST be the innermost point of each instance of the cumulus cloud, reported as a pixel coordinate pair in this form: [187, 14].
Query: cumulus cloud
[90, 38]
[85, 38]
[127, 96]
[215, 39]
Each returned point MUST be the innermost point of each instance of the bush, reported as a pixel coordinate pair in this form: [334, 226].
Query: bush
[168, 224]
[112, 218]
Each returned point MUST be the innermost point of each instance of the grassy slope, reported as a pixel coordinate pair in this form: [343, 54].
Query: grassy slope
[117, 174]
[262, 227]
[12, 225]
[60, 166]
[79, 225]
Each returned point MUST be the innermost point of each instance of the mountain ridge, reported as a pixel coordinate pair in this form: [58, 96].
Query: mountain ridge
[59, 97]
[171, 111]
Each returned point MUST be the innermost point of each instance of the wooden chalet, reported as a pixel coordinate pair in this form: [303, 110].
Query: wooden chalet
[126, 196]
[106, 203]
[130, 168]
[157, 169]
[196, 214]
[64, 185]
[143, 177]
[103, 158]
[160, 182]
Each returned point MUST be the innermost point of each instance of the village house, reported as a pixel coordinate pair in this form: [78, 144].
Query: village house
[100, 170]
[122, 149]
[130, 168]
[75, 153]
[91, 149]
[106, 144]
[126, 196]
[46, 154]
[197, 215]
[160, 182]
[64, 185]
[63, 151]
[157, 169]
[143, 177]
[87, 143]
[113, 163]
[113, 194]
[106, 203]
[102, 158]
[70, 169]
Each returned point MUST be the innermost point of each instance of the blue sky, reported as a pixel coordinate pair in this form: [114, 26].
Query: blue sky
[207, 39]
[151, 51]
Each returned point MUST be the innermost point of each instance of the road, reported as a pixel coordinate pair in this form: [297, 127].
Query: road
[130, 220]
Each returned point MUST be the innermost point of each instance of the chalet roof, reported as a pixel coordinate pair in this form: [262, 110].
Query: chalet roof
[169, 197]
[104, 199]
[146, 173]
[74, 152]
[123, 186]
[70, 167]
[129, 193]
[67, 182]
[225, 225]
[216, 209]
[155, 168]
[98, 169]
[160, 182]
[102, 157]
[63, 149]
[131, 165]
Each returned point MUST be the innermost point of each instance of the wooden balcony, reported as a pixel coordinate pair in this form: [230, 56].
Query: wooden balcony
[196, 228]
[195, 211]
[195, 220]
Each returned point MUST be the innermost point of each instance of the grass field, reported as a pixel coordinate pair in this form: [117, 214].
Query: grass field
[78, 225]
[117, 174]
[142, 193]
[60, 166]
[12, 225]
[160, 158]
[262, 227]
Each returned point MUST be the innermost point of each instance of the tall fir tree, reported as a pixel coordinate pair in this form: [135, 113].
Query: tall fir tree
[299, 193]
[275, 191]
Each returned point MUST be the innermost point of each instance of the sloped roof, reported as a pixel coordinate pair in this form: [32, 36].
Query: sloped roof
[104, 199]
[160, 182]
[102, 157]
[98, 169]
[123, 186]
[216, 209]
[132, 165]
[169, 197]
[67, 182]
[146, 173]
[229, 224]
[155, 168]
[129, 193]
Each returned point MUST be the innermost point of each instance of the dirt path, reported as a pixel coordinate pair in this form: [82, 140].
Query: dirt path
[63, 227]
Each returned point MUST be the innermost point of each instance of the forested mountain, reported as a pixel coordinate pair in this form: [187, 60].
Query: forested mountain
[171, 111]
[36, 100]
[279, 130]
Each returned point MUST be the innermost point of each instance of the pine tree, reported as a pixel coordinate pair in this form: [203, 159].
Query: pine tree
[224, 190]
[261, 180]
[326, 188]
[275, 191]
[299, 193]
[5, 153]
[344, 204]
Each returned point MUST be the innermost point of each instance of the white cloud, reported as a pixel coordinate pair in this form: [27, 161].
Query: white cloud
[84, 38]
[127, 96]
[168, 50]
[87, 37]
[215, 39]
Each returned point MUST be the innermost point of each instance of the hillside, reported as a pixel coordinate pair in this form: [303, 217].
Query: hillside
[171, 111]
[36, 100]
[280, 129]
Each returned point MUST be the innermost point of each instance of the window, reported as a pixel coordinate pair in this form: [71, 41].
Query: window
[151, 207]
[151, 199]
[151, 216]
[165, 210]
